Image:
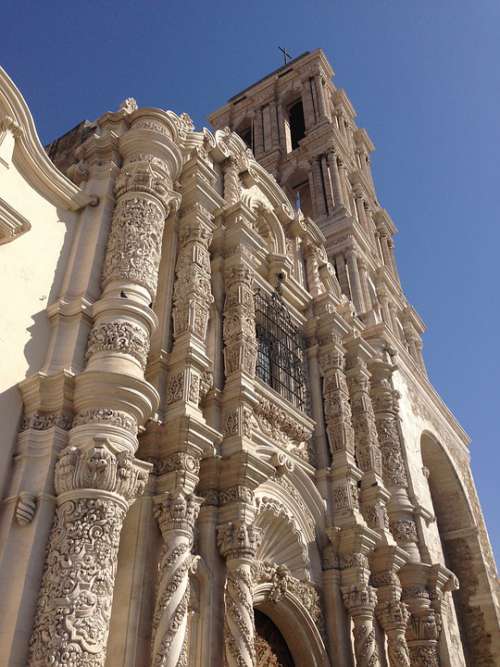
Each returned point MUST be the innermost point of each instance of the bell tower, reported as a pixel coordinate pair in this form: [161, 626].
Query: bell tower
[302, 129]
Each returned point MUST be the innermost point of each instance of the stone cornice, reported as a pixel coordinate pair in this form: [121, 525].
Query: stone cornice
[12, 223]
[29, 154]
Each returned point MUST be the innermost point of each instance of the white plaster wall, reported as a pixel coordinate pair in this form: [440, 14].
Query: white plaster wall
[31, 269]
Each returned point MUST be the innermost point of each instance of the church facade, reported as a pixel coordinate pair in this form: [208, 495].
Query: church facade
[220, 445]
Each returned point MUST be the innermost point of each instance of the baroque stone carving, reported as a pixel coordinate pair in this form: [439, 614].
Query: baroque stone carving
[134, 243]
[238, 539]
[119, 336]
[74, 606]
[106, 416]
[280, 425]
[42, 421]
[360, 601]
[26, 506]
[176, 513]
[240, 343]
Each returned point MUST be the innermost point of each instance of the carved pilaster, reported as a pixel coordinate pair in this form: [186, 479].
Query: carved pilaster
[238, 543]
[240, 343]
[336, 397]
[94, 487]
[192, 290]
[176, 513]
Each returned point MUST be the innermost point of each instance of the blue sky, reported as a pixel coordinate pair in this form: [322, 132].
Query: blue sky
[424, 78]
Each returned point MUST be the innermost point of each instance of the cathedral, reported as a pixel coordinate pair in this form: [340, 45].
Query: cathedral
[220, 445]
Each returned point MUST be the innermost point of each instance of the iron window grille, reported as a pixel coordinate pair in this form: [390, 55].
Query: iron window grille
[281, 349]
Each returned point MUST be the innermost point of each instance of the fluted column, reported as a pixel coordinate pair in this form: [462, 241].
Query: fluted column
[238, 543]
[176, 512]
[97, 476]
[355, 281]
[360, 601]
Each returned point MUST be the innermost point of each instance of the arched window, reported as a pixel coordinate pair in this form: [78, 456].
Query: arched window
[281, 349]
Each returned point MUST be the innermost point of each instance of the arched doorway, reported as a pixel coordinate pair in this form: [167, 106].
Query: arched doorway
[270, 647]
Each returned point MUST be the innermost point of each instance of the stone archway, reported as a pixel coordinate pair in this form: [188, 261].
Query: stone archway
[271, 649]
[459, 536]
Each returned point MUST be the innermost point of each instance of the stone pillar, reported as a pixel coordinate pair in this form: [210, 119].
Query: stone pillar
[385, 404]
[338, 194]
[360, 601]
[320, 98]
[240, 340]
[345, 474]
[176, 512]
[308, 103]
[384, 247]
[327, 185]
[391, 613]
[94, 487]
[258, 132]
[393, 618]
[355, 281]
[238, 543]
[363, 275]
[319, 187]
[343, 184]
[368, 456]
[97, 477]
[275, 126]
[312, 190]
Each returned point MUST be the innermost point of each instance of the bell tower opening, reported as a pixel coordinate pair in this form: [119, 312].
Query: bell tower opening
[295, 129]
[270, 647]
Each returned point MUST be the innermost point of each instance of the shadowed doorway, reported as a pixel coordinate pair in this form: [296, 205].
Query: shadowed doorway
[270, 647]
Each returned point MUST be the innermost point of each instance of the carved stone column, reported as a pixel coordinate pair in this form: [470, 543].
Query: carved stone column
[240, 342]
[392, 614]
[368, 456]
[393, 617]
[338, 194]
[238, 543]
[176, 512]
[345, 474]
[401, 512]
[97, 476]
[94, 487]
[360, 601]
[355, 281]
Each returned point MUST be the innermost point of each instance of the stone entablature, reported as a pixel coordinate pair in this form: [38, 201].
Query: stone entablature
[162, 433]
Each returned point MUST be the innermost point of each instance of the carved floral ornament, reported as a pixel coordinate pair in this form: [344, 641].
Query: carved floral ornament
[177, 511]
[101, 467]
[119, 336]
[238, 540]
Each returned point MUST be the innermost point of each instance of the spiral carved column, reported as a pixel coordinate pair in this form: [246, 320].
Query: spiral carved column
[176, 513]
[360, 602]
[238, 543]
[393, 617]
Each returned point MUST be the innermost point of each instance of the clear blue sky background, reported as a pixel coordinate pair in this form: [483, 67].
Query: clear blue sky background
[424, 78]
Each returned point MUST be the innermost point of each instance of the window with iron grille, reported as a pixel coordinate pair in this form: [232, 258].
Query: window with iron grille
[281, 349]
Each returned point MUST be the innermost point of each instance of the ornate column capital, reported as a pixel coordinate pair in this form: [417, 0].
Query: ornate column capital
[238, 540]
[100, 467]
[176, 510]
[359, 599]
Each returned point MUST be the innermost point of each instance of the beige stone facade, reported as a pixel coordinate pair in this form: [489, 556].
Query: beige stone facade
[220, 445]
